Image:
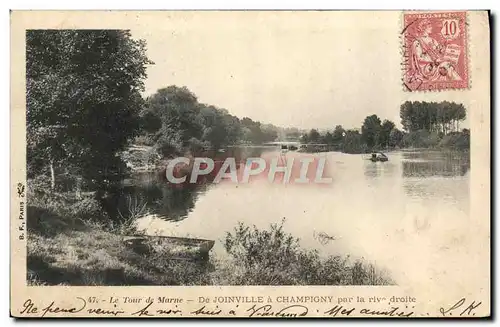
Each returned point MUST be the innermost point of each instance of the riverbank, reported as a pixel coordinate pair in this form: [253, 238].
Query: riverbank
[72, 242]
[422, 139]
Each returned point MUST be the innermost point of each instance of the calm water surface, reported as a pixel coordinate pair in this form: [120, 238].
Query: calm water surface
[397, 213]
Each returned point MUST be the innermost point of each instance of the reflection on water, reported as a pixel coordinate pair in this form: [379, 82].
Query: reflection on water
[435, 174]
[419, 174]
[381, 211]
[379, 169]
[435, 163]
[148, 189]
[170, 202]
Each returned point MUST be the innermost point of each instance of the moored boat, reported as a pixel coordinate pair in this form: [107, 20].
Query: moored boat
[174, 247]
[379, 157]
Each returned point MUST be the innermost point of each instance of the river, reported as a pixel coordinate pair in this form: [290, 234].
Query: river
[385, 212]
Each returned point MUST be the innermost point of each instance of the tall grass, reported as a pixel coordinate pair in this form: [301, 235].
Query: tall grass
[136, 208]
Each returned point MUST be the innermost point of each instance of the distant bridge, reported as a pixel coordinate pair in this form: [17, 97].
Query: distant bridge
[278, 143]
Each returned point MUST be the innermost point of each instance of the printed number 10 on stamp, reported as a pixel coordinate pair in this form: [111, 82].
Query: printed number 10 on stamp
[435, 51]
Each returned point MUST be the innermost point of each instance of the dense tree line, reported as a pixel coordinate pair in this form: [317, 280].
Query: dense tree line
[174, 121]
[443, 117]
[374, 134]
[84, 107]
[314, 136]
[425, 124]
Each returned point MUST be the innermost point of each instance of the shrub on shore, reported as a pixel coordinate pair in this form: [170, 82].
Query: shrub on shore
[72, 242]
[426, 139]
[456, 140]
[274, 257]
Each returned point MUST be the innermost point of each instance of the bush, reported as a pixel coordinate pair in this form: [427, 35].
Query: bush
[169, 148]
[125, 223]
[39, 182]
[141, 157]
[148, 140]
[197, 146]
[456, 140]
[49, 213]
[86, 208]
[421, 139]
[352, 143]
[273, 257]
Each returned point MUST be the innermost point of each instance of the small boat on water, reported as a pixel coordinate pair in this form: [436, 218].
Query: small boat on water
[379, 156]
[182, 248]
[289, 147]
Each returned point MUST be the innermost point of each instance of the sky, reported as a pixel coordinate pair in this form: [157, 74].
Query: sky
[292, 69]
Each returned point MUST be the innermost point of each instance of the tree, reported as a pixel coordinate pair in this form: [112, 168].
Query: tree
[269, 132]
[83, 99]
[443, 117]
[338, 134]
[304, 138]
[460, 114]
[215, 126]
[328, 138]
[352, 142]
[291, 134]
[233, 128]
[406, 115]
[370, 130]
[253, 133]
[385, 131]
[150, 122]
[395, 138]
[257, 133]
[314, 136]
[179, 110]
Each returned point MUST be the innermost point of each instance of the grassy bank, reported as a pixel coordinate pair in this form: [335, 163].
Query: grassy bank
[459, 141]
[352, 142]
[72, 244]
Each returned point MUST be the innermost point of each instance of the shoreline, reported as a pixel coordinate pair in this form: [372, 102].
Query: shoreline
[70, 250]
[73, 238]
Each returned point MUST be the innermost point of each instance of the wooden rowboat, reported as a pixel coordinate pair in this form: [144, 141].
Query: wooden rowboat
[175, 247]
[381, 159]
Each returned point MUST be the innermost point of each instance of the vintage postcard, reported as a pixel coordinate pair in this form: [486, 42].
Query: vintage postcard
[257, 164]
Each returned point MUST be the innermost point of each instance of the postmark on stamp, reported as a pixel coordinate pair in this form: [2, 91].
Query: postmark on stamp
[435, 51]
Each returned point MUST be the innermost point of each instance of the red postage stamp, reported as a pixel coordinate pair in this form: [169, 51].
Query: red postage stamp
[435, 51]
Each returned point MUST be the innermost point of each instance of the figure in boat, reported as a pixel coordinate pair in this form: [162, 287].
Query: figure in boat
[378, 156]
